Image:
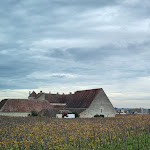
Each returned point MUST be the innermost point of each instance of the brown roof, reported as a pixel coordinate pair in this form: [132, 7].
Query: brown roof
[80, 99]
[83, 99]
[24, 105]
[53, 98]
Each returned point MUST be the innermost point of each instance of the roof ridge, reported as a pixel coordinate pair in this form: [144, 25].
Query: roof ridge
[89, 90]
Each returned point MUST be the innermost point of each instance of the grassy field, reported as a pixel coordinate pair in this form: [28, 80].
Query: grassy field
[120, 133]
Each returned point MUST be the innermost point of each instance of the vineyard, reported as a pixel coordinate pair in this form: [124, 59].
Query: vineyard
[130, 132]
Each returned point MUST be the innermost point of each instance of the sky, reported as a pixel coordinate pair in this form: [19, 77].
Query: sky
[69, 45]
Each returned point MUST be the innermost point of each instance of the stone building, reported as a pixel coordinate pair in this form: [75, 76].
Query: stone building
[22, 107]
[86, 103]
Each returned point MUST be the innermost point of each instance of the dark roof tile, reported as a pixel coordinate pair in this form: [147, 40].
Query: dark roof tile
[80, 99]
[24, 105]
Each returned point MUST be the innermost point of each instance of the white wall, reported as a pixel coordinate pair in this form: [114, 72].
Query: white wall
[58, 115]
[31, 98]
[15, 114]
[42, 97]
[101, 106]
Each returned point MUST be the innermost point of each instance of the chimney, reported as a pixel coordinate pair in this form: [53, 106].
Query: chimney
[29, 93]
[57, 93]
[70, 93]
[40, 91]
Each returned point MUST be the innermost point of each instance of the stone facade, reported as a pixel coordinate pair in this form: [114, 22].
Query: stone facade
[101, 105]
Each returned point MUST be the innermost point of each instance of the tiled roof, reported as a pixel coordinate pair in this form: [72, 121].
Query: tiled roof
[24, 105]
[53, 98]
[80, 99]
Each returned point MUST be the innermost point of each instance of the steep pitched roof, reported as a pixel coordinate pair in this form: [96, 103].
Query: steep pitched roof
[83, 99]
[80, 99]
[24, 105]
[33, 94]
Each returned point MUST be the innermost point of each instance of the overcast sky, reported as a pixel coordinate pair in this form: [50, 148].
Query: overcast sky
[69, 45]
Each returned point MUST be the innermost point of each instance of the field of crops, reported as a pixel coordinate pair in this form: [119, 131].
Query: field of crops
[120, 133]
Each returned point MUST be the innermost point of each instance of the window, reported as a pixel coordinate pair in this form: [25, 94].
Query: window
[101, 110]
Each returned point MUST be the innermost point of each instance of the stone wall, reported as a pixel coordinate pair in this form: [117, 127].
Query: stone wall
[41, 97]
[101, 105]
[31, 98]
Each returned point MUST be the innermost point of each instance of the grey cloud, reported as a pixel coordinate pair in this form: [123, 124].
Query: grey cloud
[29, 19]
[137, 8]
[104, 43]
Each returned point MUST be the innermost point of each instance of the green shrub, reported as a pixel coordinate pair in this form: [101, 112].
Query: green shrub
[34, 113]
[101, 115]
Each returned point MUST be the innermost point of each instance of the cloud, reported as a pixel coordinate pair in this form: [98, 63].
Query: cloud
[131, 103]
[60, 43]
[72, 45]
[45, 76]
